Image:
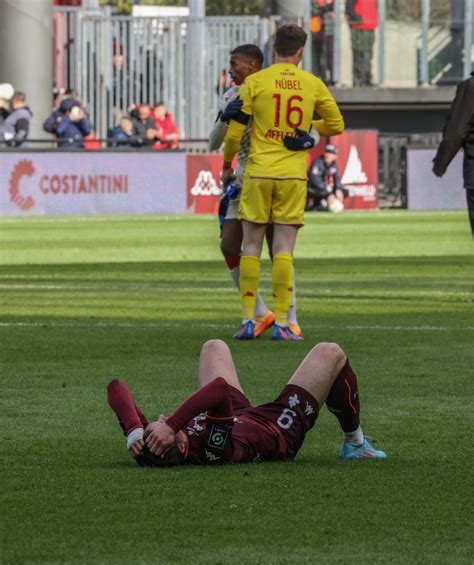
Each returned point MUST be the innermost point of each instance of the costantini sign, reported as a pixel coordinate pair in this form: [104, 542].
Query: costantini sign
[92, 183]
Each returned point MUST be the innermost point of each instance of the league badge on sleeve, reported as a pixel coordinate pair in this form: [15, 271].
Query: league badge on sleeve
[218, 436]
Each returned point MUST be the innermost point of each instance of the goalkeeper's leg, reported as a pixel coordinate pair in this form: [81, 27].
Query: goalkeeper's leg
[231, 244]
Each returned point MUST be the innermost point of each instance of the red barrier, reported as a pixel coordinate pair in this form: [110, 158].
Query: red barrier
[203, 185]
[357, 164]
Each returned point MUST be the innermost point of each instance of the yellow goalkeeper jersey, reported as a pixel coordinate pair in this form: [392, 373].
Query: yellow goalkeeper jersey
[280, 99]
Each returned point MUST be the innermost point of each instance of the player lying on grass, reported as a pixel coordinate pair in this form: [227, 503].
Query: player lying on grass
[218, 425]
[244, 61]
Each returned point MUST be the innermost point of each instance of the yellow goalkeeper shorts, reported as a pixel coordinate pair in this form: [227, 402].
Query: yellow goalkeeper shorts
[281, 201]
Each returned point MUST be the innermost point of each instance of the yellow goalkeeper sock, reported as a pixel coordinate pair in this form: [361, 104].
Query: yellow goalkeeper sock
[249, 280]
[282, 279]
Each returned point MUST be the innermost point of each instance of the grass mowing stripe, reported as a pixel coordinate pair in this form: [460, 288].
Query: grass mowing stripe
[226, 326]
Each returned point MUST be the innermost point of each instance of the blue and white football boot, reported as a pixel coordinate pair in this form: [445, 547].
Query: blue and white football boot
[350, 451]
[247, 330]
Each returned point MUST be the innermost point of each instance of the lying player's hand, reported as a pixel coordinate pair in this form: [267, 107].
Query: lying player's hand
[137, 448]
[231, 110]
[301, 142]
[159, 436]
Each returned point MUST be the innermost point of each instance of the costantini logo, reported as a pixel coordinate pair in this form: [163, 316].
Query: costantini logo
[353, 173]
[22, 169]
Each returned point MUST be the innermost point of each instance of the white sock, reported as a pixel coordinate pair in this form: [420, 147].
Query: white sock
[356, 437]
[235, 274]
[292, 311]
[260, 306]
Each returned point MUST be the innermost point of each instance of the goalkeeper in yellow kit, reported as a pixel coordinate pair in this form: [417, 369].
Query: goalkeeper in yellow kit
[281, 100]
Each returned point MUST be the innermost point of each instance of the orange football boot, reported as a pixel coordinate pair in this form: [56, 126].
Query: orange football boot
[262, 323]
[295, 329]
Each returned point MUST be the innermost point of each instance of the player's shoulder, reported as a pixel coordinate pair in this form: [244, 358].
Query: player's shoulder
[254, 78]
[261, 76]
[310, 77]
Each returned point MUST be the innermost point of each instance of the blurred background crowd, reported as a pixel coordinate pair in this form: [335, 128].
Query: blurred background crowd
[139, 73]
[143, 125]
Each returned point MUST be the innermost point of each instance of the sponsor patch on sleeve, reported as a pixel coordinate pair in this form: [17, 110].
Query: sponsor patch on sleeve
[218, 436]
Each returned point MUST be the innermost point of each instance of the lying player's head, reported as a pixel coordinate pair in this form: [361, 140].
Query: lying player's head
[290, 41]
[176, 454]
[244, 61]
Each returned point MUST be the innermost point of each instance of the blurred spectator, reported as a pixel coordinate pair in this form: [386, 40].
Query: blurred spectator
[224, 83]
[144, 124]
[363, 20]
[3, 110]
[118, 56]
[125, 134]
[325, 190]
[16, 127]
[6, 93]
[69, 124]
[59, 112]
[167, 130]
[63, 94]
[322, 35]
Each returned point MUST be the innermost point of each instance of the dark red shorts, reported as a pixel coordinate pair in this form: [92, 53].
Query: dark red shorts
[293, 413]
[239, 400]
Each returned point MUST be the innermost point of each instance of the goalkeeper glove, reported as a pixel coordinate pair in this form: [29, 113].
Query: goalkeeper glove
[300, 142]
[231, 110]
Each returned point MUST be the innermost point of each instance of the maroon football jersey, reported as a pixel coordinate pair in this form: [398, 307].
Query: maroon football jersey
[269, 432]
[241, 440]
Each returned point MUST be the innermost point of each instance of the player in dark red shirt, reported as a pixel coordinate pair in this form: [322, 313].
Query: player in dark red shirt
[217, 424]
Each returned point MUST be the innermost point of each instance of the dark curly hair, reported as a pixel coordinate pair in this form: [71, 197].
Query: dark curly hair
[171, 458]
[251, 51]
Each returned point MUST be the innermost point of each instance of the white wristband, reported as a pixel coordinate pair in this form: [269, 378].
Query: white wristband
[134, 436]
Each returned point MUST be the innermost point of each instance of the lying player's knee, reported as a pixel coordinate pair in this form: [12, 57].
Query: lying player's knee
[213, 346]
[331, 351]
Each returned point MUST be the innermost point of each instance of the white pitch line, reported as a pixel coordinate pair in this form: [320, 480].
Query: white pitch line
[92, 287]
[137, 218]
[213, 325]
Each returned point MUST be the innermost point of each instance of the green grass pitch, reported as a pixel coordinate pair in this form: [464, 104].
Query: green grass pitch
[86, 299]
